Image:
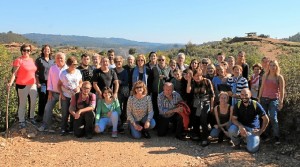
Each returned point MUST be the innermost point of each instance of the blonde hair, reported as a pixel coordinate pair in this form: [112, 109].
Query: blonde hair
[224, 93]
[142, 84]
[277, 72]
[140, 56]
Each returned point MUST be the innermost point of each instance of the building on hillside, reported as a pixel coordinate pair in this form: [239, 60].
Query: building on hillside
[251, 34]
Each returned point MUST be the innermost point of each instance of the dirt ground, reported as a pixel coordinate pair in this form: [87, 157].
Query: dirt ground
[32, 148]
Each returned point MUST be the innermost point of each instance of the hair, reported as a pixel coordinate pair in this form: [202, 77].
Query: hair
[177, 70]
[25, 46]
[130, 56]
[237, 66]
[110, 51]
[196, 71]
[85, 55]
[139, 83]
[243, 53]
[106, 89]
[71, 60]
[140, 56]
[43, 48]
[206, 59]
[223, 63]
[151, 54]
[223, 93]
[181, 54]
[265, 57]
[257, 65]
[277, 73]
[190, 66]
[86, 83]
[172, 60]
[96, 55]
[169, 84]
[118, 58]
[60, 54]
[220, 53]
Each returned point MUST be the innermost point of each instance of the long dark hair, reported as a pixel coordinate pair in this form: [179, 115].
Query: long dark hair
[43, 48]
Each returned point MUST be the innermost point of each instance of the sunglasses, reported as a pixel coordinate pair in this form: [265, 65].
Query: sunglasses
[161, 59]
[26, 50]
[75, 64]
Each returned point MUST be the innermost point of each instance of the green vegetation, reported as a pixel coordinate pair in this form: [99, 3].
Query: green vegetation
[294, 38]
[10, 37]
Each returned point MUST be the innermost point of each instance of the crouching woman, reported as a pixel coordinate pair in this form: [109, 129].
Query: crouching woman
[140, 111]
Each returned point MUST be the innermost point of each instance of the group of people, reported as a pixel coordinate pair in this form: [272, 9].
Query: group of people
[194, 101]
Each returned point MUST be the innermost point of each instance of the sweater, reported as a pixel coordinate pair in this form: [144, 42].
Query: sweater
[102, 108]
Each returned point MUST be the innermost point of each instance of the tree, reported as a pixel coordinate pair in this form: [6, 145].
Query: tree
[132, 51]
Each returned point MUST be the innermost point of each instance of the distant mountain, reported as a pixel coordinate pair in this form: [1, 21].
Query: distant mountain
[101, 43]
[10, 37]
[294, 38]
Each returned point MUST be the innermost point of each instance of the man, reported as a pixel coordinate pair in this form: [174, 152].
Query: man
[111, 57]
[159, 75]
[180, 62]
[246, 123]
[129, 68]
[53, 92]
[96, 61]
[220, 58]
[85, 69]
[81, 107]
[105, 77]
[168, 112]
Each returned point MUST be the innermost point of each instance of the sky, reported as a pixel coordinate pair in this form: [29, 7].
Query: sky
[161, 21]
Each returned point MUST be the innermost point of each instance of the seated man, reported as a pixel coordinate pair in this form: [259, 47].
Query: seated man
[81, 107]
[246, 123]
[168, 112]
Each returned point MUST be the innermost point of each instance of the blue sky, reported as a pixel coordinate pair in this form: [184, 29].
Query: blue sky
[164, 21]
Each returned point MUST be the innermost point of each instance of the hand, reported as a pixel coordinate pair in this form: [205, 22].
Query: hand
[211, 109]
[147, 124]
[137, 127]
[50, 96]
[8, 86]
[99, 94]
[38, 85]
[77, 89]
[216, 126]
[178, 110]
[115, 95]
[280, 105]
[76, 115]
[62, 97]
[256, 132]
[109, 114]
[243, 131]
[161, 76]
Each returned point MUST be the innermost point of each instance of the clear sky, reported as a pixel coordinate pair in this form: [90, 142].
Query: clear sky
[164, 21]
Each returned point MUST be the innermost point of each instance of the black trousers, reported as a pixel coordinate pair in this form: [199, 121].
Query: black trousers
[43, 97]
[201, 120]
[84, 125]
[155, 106]
[163, 125]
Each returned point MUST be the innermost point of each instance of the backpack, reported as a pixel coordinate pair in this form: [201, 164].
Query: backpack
[253, 102]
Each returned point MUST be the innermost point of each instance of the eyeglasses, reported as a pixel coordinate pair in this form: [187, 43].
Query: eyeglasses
[138, 87]
[140, 60]
[204, 63]
[26, 50]
[161, 59]
[86, 88]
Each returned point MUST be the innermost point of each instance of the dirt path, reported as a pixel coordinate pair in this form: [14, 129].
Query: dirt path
[53, 150]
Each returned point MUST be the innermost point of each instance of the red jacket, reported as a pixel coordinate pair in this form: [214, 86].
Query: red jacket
[185, 114]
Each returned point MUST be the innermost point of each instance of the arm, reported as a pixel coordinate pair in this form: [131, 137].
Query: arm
[240, 126]
[281, 91]
[98, 91]
[59, 85]
[189, 84]
[261, 87]
[116, 88]
[13, 77]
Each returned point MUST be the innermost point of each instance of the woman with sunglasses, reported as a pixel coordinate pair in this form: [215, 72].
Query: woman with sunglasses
[70, 82]
[203, 65]
[140, 112]
[141, 71]
[24, 72]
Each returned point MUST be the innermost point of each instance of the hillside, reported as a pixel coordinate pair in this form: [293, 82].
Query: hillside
[11, 37]
[101, 43]
[294, 38]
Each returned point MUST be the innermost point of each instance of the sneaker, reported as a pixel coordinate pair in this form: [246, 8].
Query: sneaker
[42, 128]
[114, 134]
[22, 125]
[32, 121]
[277, 141]
[63, 133]
[204, 143]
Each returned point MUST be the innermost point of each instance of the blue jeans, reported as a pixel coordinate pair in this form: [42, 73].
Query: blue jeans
[251, 139]
[137, 134]
[271, 108]
[214, 133]
[47, 118]
[65, 104]
[112, 121]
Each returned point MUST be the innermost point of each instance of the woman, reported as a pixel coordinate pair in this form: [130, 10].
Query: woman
[271, 95]
[211, 72]
[241, 60]
[203, 65]
[237, 82]
[123, 92]
[255, 81]
[177, 81]
[24, 72]
[107, 113]
[203, 102]
[43, 64]
[141, 72]
[70, 82]
[223, 114]
[172, 65]
[231, 63]
[221, 78]
[140, 112]
[194, 64]
[152, 60]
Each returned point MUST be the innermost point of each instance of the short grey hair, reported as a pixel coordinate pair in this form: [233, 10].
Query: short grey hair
[181, 54]
[60, 54]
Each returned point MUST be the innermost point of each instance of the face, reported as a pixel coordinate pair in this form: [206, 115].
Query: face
[105, 62]
[272, 66]
[241, 56]
[210, 70]
[168, 90]
[265, 62]
[139, 89]
[96, 60]
[26, 51]
[153, 57]
[140, 62]
[177, 75]
[86, 89]
[130, 61]
[60, 60]
[237, 71]
[198, 77]
[86, 60]
[194, 64]
[220, 58]
[256, 70]
[245, 95]
[46, 50]
[74, 65]
[162, 61]
[119, 63]
[223, 98]
[230, 62]
[180, 59]
[220, 71]
[106, 94]
[111, 56]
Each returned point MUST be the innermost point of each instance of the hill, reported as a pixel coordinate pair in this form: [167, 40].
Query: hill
[103, 43]
[294, 38]
[11, 37]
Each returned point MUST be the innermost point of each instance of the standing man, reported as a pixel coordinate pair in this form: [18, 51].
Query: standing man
[180, 62]
[129, 68]
[111, 57]
[85, 68]
[220, 58]
[96, 61]
[246, 122]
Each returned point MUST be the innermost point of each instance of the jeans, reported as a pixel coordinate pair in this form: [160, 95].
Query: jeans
[137, 134]
[214, 133]
[112, 121]
[47, 118]
[271, 108]
[65, 104]
[251, 139]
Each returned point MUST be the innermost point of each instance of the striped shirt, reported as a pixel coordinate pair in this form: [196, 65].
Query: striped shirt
[237, 84]
[164, 104]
